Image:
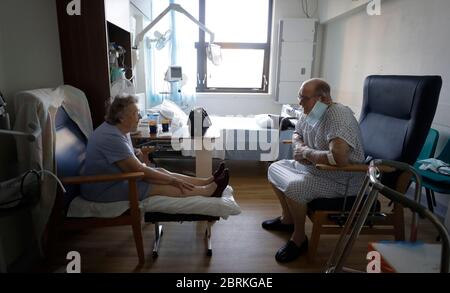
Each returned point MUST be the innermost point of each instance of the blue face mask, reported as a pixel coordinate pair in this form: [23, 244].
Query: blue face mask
[316, 114]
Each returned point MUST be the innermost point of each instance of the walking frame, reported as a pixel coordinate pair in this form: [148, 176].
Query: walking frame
[363, 205]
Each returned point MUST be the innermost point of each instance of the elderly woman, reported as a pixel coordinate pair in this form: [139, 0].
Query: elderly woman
[327, 133]
[110, 151]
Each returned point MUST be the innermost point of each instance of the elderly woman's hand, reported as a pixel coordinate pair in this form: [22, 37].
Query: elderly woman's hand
[142, 154]
[182, 185]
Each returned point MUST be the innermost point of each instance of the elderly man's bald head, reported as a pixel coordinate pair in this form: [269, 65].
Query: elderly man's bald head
[319, 88]
[313, 91]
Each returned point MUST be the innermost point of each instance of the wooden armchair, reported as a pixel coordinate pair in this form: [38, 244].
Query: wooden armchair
[70, 154]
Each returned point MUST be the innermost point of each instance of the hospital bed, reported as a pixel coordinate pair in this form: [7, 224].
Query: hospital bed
[253, 138]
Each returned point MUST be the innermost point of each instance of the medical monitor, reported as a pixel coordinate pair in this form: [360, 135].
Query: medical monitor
[174, 73]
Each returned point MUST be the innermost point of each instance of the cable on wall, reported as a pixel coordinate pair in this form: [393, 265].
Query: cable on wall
[306, 10]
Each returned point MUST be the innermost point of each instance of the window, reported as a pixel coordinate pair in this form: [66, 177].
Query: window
[179, 51]
[243, 29]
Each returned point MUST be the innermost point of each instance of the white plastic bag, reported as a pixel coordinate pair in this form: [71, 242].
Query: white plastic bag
[173, 112]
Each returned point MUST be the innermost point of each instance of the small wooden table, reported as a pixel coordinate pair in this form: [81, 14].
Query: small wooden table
[180, 139]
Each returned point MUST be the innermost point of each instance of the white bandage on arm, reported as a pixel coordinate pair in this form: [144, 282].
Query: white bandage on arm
[331, 159]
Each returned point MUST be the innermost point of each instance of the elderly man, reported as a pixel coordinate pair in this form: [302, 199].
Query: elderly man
[327, 133]
[110, 151]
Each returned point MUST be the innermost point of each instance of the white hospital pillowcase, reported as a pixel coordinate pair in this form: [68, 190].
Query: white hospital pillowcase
[223, 207]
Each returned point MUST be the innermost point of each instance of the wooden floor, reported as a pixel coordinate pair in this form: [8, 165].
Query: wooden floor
[239, 243]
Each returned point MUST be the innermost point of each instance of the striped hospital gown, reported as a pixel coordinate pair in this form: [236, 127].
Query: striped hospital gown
[304, 183]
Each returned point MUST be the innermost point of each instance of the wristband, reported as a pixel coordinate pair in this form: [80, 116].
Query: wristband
[331, 159]
[304, 155]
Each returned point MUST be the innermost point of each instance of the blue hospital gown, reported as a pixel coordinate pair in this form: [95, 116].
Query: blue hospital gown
[304, 183]
[106, 146]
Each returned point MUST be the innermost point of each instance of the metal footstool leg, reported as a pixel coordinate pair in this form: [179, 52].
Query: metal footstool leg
[158, 235]
[208, 238]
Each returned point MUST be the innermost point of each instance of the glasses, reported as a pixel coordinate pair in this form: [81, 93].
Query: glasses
[300, 97]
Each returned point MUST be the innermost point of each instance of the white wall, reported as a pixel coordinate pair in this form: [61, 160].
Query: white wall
[248, 104]
[144, 6]
[410, 37]
[30, 51]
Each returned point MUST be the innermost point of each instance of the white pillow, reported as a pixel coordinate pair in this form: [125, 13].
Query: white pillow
[290, 111]
[267, 121]
[172, 111]
[223, 207]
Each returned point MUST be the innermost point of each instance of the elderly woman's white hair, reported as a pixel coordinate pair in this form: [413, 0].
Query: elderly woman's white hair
[116, 108]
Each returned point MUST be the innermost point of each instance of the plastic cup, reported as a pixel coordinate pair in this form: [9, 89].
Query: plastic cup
[165, 125]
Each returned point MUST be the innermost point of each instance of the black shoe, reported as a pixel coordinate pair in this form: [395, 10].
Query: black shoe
[222, 183]
[219, 170]
[277, 225]
[290, 251]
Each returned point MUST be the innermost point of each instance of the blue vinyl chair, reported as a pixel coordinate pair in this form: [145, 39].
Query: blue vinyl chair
[428, 150]
[434, 182]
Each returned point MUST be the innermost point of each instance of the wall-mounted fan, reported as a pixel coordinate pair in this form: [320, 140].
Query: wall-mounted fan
[161, 40]
[213, 51]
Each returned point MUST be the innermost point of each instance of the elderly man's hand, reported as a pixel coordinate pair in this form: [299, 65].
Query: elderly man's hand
[299, 153]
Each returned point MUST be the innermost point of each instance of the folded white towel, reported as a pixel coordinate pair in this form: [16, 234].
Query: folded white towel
[435, 165]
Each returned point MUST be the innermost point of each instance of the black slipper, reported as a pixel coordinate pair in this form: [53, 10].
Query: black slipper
[222, 183]
[290, 251]
[277, 225]
[219, 170]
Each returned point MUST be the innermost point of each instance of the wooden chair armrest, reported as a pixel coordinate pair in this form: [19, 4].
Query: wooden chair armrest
[361, 168]
[132, 194]
[101, 178]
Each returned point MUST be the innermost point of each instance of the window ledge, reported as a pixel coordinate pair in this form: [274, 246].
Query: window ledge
[235, 95]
